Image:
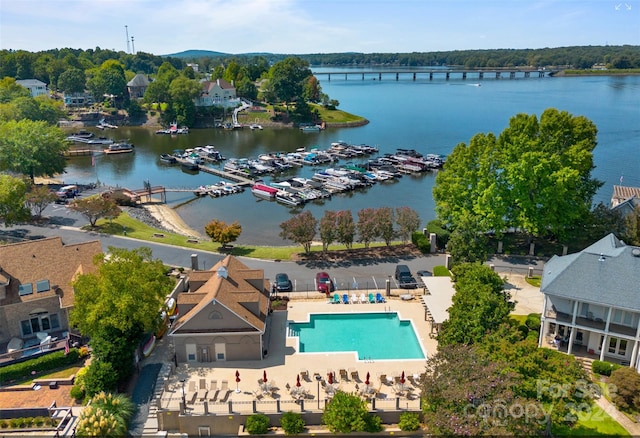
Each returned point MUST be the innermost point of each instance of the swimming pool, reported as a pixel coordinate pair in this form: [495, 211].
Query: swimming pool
[379, 335]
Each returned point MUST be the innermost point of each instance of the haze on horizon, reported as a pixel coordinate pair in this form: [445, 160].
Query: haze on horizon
[315, 26]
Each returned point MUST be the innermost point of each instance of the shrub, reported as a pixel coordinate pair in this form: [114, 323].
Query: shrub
[100, 377]
[292, 423]
[373, 423]
[603, 368]
[83, 351]
[257, 424]
[627, 393]
[409, 421]
[4, 424]
[533, 321]
[77, 392]
[421, 242]
[442, 234]
[46, 362]
[346, 413]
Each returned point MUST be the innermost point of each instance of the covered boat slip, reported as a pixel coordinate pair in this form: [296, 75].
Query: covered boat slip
[438, 299]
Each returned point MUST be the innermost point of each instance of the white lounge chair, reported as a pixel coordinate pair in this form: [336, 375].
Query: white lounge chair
[354, 298]
[363, 298]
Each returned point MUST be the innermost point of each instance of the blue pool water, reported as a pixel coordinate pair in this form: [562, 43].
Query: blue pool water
[371, 335]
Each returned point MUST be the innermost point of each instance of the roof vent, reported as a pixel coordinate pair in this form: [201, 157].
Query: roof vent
[222, 272]
[601, 259]
[635, 252]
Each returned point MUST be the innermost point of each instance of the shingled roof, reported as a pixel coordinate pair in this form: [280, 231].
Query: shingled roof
[37, 261]
[607, 273]
[232, 284]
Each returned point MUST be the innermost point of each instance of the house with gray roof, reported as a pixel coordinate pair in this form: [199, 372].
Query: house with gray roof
[138, 85]
[223, 314]
[35, 87]
[592, 301]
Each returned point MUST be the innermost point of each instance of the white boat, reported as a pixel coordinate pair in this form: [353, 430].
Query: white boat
[119, 148]
[264, 191]
[288, 198]
[255, 126]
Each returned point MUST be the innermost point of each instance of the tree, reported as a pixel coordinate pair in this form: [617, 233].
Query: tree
[72, 80]
[480, 305]
[328, 229]
[106, 415]
[384, 224]
[222, 233]
[367, 226]
[109, 80]
[95, 207]
[311, 90]
[32, 148]
[13, 194]
[38, 198]
[38, 108]
[408, 221]
[125, 294]
[465, 393]
[627, 393]
[345, 228]
[301, 229]
[466, 244]
[347, 413]
[182, 92]
[10, 89]
[535, 176]
[287, 79]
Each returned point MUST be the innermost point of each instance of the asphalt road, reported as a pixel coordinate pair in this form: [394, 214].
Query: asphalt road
[347, 274]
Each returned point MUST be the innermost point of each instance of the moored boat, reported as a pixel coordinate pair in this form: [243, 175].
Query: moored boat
[264, 191]
[168, 159]
[119, 148]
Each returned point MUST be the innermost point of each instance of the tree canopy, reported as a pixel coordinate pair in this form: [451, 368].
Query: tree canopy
[535, 176]
[13, 193]
[300, 229]
[95, 207]
[32, 148]
[223, 233]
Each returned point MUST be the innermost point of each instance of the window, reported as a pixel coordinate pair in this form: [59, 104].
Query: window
[25, 289]
[622, 348]
[40, 323]
[26, 327]
[42, 286]
[612, 345]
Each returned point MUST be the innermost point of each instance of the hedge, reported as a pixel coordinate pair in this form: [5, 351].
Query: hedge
[421, 242]
[47, 362]
[603, 368]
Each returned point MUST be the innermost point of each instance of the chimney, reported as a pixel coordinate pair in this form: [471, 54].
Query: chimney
[194, 262]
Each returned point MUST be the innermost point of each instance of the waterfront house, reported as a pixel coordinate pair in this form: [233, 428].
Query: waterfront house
[592, 302]
[35, 87]
[35, 286]
[218, 93]
[625, 199]
[223, 315]
[77, 99]
[137, 86]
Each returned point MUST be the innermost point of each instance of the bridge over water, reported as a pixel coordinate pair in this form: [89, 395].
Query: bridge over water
[439, 74]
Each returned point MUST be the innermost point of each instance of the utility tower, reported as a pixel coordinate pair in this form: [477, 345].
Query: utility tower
[133, 46]
[126, 30]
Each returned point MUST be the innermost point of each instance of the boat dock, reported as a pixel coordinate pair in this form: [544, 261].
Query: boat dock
[80, 152]
[233, 175]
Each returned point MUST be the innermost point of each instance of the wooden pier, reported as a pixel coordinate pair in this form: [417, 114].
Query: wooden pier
[236, 176]
[145, 195]
[79, 152]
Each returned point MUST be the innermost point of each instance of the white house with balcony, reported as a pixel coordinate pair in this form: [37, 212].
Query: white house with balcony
[592, 302]
[35, 87]
[218, 93]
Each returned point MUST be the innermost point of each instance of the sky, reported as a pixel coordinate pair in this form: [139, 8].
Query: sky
[315, 26]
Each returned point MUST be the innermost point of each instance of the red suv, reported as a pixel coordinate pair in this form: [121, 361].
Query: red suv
[324, 283]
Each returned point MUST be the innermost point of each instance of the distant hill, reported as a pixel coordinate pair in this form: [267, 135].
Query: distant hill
[196, 54]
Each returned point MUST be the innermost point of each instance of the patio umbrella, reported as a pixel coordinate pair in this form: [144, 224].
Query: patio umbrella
[298, 381]
[330, 380]
[264, 376]
[402, 378]
[366, 382]
[237, 381]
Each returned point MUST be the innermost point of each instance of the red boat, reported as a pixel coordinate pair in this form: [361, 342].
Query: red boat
[264, 191]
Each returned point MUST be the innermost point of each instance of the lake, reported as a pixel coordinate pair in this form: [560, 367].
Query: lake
[429, 116]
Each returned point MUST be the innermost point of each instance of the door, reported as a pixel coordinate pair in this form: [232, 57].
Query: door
[221, 352]
[204, 354]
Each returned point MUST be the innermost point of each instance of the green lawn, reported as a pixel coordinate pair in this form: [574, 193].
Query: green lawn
[594, 423]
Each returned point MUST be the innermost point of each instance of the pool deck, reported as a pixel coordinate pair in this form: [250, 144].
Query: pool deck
[284, 363]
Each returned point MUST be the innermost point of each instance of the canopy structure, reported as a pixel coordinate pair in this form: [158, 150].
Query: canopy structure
[437, 301]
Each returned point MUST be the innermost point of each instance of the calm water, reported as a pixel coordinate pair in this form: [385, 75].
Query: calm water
[354, 332]
[431, 117]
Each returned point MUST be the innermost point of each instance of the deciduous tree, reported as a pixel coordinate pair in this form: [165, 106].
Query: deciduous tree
[96, 207]
[32, 148]
[345, 228]
[38, 198]
[287, 79]
[223, 233]
[300, 229]
[384, 224]
[408, 221]
[367, 222]
[328, 229]
[72, 80]
[13, 194]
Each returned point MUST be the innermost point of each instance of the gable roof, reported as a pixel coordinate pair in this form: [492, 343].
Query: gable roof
[45, 259]
[623, 193]
[30, 82]
[208, 85]
[138, 80]
[607, 272]
[239, 289]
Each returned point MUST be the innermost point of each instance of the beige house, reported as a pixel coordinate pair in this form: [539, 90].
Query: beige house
[35, 286]
[218, 92]
[592, 302]
[223, 315]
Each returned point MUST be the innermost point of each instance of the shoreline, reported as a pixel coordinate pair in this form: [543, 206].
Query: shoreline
[171, 220]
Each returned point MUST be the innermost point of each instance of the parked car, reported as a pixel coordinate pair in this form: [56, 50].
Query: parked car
[324, 283]
[424, 273]
[67, 192]
[405, 278]
[283, 284]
